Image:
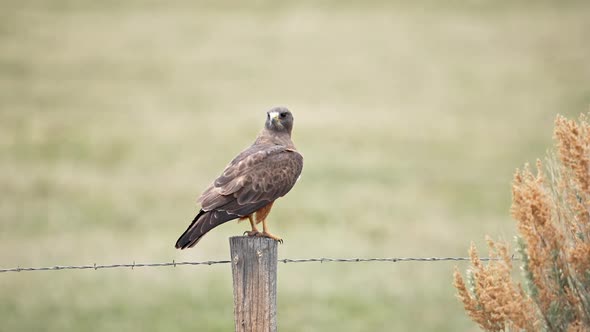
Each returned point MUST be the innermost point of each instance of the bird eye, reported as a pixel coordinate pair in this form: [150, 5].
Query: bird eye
[283, 115]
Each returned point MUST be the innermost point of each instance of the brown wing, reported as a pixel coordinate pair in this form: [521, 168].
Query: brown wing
[261, 176]
[256, 177]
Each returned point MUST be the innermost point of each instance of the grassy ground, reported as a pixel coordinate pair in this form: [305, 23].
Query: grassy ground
[114, 116]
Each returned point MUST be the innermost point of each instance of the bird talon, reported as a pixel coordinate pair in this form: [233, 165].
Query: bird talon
[270, 236]
[252, 233]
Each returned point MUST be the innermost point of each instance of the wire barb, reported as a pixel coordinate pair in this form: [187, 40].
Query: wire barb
[284, 260]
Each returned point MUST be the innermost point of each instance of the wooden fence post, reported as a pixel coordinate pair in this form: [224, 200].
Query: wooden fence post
[254, 271]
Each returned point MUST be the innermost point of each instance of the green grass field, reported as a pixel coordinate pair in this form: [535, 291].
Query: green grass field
[114, 116]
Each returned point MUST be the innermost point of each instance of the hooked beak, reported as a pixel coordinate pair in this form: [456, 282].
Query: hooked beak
[274, 118]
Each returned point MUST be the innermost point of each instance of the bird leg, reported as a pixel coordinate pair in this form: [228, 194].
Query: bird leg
[266, 233]
[254, 231]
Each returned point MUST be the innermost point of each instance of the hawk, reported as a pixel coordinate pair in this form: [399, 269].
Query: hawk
[249, 185]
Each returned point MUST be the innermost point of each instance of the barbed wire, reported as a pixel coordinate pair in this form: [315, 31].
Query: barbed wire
[174, 263]
[111, 266]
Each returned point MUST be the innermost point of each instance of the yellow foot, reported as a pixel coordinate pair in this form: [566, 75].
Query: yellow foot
[252, 233]
[270, 236]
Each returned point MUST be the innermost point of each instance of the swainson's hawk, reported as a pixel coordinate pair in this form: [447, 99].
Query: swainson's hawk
[251, 182]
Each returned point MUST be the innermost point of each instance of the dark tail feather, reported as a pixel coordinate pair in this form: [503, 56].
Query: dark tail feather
[203, 223]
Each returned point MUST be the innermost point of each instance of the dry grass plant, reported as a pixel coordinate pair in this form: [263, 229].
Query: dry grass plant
[551, 209]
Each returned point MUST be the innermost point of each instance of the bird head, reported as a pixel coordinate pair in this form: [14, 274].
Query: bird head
[279, 119]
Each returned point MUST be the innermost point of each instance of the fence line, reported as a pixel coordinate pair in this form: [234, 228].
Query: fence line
[173, 263]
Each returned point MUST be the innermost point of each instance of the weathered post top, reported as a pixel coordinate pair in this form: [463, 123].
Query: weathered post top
[254, 271]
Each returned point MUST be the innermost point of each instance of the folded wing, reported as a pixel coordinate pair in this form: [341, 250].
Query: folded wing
[255, 178]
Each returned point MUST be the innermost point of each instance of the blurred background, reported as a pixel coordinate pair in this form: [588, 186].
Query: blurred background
[412, 117]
